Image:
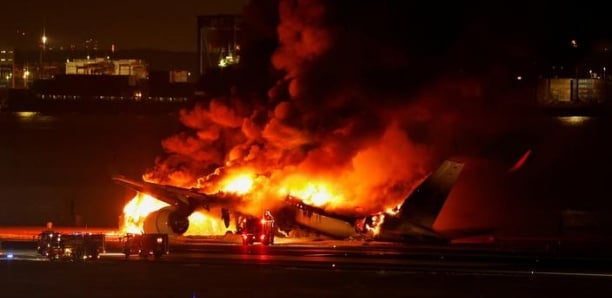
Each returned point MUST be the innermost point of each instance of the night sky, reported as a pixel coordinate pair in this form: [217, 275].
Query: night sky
[167, 25]
[171, 25]
[130, 23]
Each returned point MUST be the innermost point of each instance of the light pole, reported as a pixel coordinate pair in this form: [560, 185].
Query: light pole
[43, 40]
[574, 45]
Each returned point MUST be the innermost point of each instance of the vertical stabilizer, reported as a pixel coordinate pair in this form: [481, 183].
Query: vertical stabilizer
[424, 204]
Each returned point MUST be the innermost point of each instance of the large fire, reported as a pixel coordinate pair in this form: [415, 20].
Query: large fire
[242, 183]
[137, 209]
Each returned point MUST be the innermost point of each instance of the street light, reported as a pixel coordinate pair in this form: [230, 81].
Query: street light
[43, 39]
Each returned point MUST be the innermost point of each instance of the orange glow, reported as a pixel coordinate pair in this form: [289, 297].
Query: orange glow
[378, 219]
[137, 209]
[310, 192]
[203, 223]
[239, 184]
[393, 211]
[374, 227]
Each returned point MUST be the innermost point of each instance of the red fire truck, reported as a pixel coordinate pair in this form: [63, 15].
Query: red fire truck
[74, 246]
[144, 245]
[255, 229]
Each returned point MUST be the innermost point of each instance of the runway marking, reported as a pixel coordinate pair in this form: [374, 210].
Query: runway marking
[580, 274]
[319, 255]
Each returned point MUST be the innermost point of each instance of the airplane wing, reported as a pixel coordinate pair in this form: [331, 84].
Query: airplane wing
[180, 197]
[173, 219]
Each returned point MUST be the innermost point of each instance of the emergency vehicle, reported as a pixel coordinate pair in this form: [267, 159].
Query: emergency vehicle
[144, 245]
[253, 229]
[74, 246]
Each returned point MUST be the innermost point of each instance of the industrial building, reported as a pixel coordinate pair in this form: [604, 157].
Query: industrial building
[219, 38]
[7, 68]
[573, 92]
[106, 66]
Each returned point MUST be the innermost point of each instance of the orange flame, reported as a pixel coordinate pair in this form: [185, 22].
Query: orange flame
[203, 223]
[239, 184]
[136, 210]
[200, 222]
[316, 193]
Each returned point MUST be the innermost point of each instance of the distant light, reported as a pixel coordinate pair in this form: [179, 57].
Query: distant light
[518, 78]
[26, 116]
[9, 256]
[574, 43]
[573, 120]
[44, 39]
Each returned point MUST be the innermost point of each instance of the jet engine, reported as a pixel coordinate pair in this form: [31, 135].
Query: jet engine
[168, 220]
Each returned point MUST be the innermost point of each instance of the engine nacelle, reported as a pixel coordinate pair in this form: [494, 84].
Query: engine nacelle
[168, 220]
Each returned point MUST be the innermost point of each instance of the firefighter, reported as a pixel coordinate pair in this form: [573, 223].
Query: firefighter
[268, 215]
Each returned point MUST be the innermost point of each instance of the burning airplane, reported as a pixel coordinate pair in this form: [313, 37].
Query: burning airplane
[413, 219]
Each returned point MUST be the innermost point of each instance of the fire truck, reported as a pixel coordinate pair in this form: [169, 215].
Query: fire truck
[144, 245]
[75, 246]
[255, 229]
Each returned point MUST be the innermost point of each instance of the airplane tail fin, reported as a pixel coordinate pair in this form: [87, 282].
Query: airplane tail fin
[424, 204]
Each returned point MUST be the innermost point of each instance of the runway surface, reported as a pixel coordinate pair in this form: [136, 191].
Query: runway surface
[220, 268]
